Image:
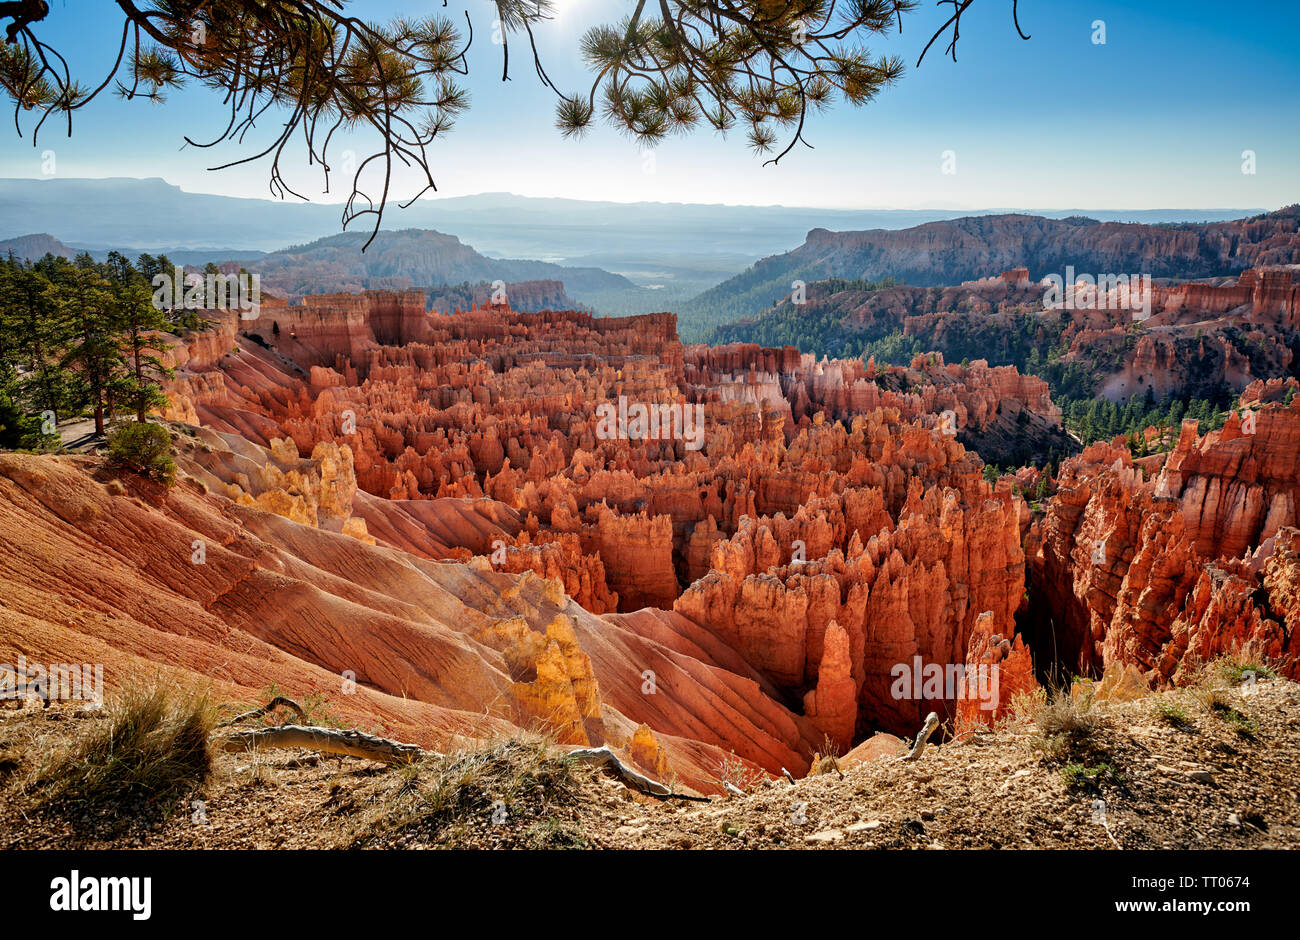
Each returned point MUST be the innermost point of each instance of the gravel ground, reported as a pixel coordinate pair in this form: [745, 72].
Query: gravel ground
[1170, 770]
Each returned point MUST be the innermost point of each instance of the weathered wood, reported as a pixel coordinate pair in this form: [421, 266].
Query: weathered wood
[604, 757]
[269, 707]
[359, 744]
[327, 740]
[931, 723]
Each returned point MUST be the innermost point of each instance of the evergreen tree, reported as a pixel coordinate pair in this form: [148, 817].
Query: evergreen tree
[30, 317]
[135, 316]
[94, 350]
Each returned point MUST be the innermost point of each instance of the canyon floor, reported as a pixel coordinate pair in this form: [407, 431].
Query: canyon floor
[1208, 766]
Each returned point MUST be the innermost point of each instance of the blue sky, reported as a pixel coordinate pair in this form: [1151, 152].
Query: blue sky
[1157, 117]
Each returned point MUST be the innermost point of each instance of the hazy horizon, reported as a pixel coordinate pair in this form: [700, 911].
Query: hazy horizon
[431, 198]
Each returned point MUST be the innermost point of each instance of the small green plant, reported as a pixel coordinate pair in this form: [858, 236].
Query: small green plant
[1245, 726]
[1172, 713]
[1080, 776]
[145, 448]
[554, 833]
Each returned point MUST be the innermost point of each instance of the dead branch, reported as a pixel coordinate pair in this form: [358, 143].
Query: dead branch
[931, 723]
[359, 744]
[606, 758]
[267, 709]
[11, 688]
[327, 740]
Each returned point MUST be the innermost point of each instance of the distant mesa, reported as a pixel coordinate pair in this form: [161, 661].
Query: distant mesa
[34, 247]
[966, 249]
[1198, 339]
[416, 258]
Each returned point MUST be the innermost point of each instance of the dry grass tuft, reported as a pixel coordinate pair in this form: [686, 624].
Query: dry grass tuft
[507, 790]
[150, 749]
[1065, 724]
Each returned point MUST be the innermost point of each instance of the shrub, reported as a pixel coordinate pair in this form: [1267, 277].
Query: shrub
[516, 784]
[1171, 713]
[1065, 723]
[151, 745]
[145, 448]
[733, 770]
[1239, 669]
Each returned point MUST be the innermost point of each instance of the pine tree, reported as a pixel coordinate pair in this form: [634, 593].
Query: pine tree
[30, 317]
[95, 350]
[134, 314]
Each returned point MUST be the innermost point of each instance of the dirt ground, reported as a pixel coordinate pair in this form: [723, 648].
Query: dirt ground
[1168, 770]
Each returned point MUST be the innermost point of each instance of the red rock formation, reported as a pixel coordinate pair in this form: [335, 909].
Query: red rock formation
[561, 559]
[998, 670]
[896, 590]
[832, 705]
[822, 491]
[1168, 570]
[437, 505]
[101, 567]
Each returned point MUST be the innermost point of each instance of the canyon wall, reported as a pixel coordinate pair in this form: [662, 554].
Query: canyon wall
[1169, 562]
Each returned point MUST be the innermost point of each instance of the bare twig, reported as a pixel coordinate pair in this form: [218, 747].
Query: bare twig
[269, 707]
